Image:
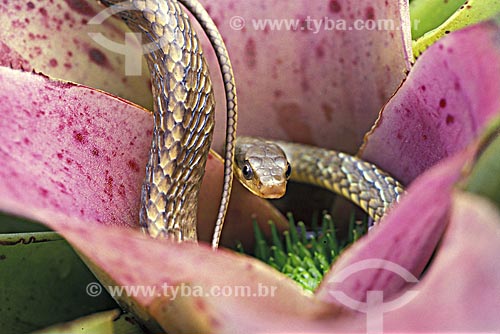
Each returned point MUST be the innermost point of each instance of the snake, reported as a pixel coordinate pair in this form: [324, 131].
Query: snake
[184, 106]
[183, 113]
[265, 166]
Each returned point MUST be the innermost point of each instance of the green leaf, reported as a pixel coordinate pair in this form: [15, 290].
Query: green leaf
[472, 12]
[305, 256]
[99, 323]
[429, 14]
[8, 224]
[43, 282]
[275, 236]
[108, 322]
[484, 178]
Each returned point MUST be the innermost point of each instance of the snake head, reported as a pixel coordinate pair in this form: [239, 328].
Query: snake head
[262, 167]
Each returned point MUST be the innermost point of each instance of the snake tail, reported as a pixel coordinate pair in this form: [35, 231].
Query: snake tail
[226, 69]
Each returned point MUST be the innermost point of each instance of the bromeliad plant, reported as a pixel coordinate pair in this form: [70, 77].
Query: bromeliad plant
[71, 159]
[303, 253]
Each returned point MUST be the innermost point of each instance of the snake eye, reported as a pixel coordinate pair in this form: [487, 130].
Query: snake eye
[247, 171]
[288, 171]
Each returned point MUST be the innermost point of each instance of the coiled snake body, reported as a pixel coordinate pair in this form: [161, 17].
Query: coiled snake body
[183, 114]
[183, 126]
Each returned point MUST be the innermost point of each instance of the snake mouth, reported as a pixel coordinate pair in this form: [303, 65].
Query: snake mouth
[265, 191]
[272, 191]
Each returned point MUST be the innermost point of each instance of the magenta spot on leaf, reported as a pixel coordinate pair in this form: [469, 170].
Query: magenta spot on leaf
[53, 62]
[334, 6]
[298, 130]
[63, 85]
[370, 13]
[108, 187]
[59, 155]
[320, 52]
[95, 152]
[43, 11]
[133, 165]
[327, 111]
[422, 88]
[442, 103]
[121, 190]
[81, 7]
[449, 119]
[98, 57]
[200, 305]
[251, 53]
[80, 137]
[304, 84]
[30, 5]
[44, 192]
[214, 322]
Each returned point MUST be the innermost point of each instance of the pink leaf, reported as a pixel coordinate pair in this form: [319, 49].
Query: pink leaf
[446, 101]
[52, 37]
[319, 85]
[128, 259]
[63, 150]
[293, 83]
[407, 236]
[82, 153]
[461, 290]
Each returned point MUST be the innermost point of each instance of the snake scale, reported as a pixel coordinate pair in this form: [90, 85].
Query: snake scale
[184, 107]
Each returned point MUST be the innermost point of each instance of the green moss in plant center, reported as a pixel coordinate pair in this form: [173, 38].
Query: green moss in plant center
[305, 255]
